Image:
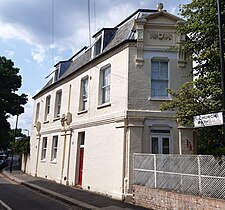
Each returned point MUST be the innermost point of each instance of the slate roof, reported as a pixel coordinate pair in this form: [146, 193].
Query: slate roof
[121, 33]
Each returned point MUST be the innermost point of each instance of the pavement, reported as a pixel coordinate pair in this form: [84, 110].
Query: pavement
[68, 194]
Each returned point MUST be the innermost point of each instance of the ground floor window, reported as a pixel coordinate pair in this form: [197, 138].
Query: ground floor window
[44, 149]
[160, 142]
[54, 148]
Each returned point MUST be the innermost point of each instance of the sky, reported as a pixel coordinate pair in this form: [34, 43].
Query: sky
[36, 34]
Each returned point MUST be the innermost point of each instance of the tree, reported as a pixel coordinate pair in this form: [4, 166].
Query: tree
[10, 101]
[204, 94]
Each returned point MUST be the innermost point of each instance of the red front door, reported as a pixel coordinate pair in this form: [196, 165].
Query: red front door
[81, 166]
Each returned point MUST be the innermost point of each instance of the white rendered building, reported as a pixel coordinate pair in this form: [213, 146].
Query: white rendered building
[102, 105]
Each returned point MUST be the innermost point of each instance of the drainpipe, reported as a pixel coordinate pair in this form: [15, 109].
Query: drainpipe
[69, 151]
[180, 142]
[63, 157]
[38, 127]
[64, 122]
[126, 159]
[38, 147]
[68, 164]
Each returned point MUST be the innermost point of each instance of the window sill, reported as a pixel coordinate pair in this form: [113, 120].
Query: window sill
[159, 99]
[103, 105]
[56, 118]
[47, 121]
[82, 112]
[43, 161]
[53, 162]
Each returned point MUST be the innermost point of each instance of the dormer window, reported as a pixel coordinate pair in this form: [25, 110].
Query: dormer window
[98, 47]
[56, 76]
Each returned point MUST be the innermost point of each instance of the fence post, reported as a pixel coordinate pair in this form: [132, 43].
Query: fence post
[154, 156]
[199, 176]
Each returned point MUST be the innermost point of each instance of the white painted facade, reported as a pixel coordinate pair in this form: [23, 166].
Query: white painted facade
[109, 133]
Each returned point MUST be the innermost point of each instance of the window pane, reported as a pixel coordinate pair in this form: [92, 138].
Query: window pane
[37, 112]
[164, 70]
[47, 106]
[106, 79]
[98, 46]
[166, 145]
[155, 70]
[163, 86]
[54, 148]
[154, 88]
[82, 138]
[44, 148]
[155, 145]
[58, 101]
[84, 96]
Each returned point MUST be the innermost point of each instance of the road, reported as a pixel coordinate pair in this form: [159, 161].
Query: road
[18, 197]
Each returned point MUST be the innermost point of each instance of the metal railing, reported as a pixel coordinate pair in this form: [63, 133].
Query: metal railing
[190, 174]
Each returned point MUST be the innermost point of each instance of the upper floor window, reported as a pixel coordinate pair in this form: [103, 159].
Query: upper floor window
[44, 148]
[84, 94]
[56, 76]
[37, 112]
[54, 148]
[105, 84]
[98, 47]
[159, 79]
[47, 107]
[58, 101]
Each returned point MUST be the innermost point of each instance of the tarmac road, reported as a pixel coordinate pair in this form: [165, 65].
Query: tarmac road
[17, 197]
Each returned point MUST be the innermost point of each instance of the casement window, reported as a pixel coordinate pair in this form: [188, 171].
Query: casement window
[98, 47]
[105, 84]
[56, 76]
[37, 112]
[84, 94]
[160, 142]
[58, 101]
[47, 107]
[44, 148]
[159, 79]
[54, 148]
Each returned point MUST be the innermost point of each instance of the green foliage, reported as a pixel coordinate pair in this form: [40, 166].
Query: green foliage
[10, 101]
[204, 94]
[22, 146]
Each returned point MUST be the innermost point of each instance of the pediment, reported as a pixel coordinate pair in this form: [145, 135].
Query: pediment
[162, 18]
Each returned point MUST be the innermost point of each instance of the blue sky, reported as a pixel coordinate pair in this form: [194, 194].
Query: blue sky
[36, 34]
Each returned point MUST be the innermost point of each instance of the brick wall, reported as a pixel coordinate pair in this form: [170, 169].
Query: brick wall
[161, 199]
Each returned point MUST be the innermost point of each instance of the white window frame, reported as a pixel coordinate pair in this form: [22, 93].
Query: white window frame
[99, 41]
[47, 107]
[160, 144]
[54, 149]
[105, 85]
[165, 133]
[44, 148]
[84, 94]
[58, 103]
[158, 94]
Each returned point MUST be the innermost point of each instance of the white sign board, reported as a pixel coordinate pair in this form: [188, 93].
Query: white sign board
[208, 120]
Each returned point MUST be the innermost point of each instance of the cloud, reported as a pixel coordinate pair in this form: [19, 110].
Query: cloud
[173, 10]
[10, 53]
[38, 54]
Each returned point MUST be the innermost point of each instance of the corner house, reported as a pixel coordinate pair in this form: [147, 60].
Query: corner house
[102, 106]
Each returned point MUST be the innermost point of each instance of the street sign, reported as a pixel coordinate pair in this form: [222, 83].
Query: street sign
[208, 120]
